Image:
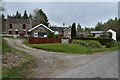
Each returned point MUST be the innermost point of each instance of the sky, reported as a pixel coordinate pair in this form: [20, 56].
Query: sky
[85, 13]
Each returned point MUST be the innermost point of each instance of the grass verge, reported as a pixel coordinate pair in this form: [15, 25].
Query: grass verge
[70, 48]
[21, 70]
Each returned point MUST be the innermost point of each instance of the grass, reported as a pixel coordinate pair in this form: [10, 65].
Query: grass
[23, 69]
[70, 48]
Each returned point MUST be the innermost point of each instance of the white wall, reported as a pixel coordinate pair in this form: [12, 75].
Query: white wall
[113, 34]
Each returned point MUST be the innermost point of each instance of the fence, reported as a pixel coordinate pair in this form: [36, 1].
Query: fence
[33, 40]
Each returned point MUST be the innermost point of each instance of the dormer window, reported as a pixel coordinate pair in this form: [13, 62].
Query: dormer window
[10, 26]
[24, 26]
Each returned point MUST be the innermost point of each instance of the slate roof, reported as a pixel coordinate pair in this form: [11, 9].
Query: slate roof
[59, 29]
[18, 21]
[66, 28]
[96, 32]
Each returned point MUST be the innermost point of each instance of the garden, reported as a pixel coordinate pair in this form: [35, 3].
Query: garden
[78, 47]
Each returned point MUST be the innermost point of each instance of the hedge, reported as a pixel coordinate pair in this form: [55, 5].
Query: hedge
[103, 41]
[88, 43]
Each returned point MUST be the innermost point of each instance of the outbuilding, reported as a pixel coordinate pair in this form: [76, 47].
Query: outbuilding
[113, 34]
[40, 31]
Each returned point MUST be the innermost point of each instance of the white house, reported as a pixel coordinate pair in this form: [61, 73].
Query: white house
[113, 34]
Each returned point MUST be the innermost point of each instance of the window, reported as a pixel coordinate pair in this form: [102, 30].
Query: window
[35, 34]
[24, 26]
[10, 26]
[10, 32]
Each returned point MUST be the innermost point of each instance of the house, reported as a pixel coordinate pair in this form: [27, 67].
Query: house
[58, 30]
[82, 34]
[17, 27]
[96, 34]
[40, 31]
[113, 34]
[67, 32]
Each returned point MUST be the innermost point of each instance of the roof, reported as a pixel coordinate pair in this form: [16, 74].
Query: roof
[59, 29]
[110, 30]
[66, 28]
[39, 26]
[20, 21]
[96, 32]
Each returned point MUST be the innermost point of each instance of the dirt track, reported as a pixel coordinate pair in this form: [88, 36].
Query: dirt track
[51, 64]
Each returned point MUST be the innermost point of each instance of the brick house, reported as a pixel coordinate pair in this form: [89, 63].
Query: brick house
[58, 31]
[17, 27]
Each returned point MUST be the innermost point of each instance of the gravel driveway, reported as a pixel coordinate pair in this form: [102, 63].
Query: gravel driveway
[51, 64]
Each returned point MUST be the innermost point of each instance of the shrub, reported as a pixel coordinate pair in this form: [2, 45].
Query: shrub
[114, 44]
[90, 36]
[103, 41]
[88, 43]
[111, 44]
[108, 45]
[50, 35]
[93, 44]
[55, 36]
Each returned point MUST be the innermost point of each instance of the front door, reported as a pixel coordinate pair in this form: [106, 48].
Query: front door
[16, 32]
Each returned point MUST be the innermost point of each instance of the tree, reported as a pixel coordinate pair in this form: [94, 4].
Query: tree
[73, 30]
[18, 15]
[30, 17]
[63, 24]
[87, 29]
[118, 30]
[79, 28]
[98, 26]
[40, 18]
[110, 24]
[25, 16]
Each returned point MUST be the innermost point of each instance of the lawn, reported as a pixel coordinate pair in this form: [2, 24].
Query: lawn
[19, 71]
[70, 48]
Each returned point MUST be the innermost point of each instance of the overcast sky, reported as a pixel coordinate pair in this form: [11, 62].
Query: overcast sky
[85, 13]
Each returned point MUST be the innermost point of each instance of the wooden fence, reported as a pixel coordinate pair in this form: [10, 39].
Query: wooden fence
[33, 40]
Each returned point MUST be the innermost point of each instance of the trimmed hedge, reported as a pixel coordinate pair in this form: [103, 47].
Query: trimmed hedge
[103, 41]
[88, 43]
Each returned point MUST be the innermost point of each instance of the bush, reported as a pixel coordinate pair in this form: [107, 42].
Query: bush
[50, 35]
[108, 45]
[90, 36]
[103, 41]
[55, 36]
[93, 44]
[88, 43]
[111, 44]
